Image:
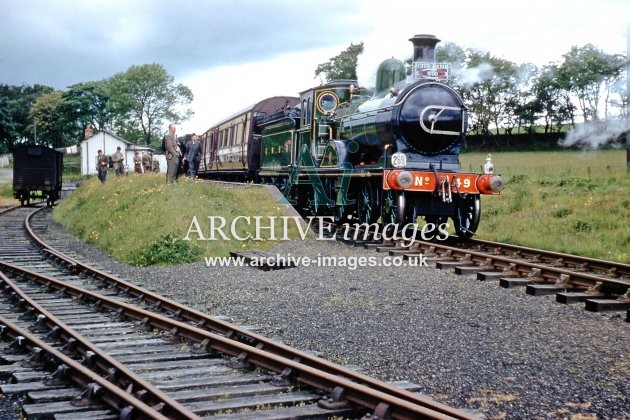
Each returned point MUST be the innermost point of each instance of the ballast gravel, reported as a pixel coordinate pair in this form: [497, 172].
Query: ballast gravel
[467, 343]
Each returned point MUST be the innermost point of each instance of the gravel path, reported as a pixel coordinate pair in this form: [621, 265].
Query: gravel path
[466, 343]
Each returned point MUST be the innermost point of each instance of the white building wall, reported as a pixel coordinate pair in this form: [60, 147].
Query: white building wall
[89, 150]
[108, 144]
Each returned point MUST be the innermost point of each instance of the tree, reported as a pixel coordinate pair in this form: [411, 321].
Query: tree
[613, 81]
[7, 125]
[143, 98]
[47, 120]
[488, 96]
[551, 102]
[15, 104]
[453, 54]
[584, 72]
[82, 105]
[342, 66]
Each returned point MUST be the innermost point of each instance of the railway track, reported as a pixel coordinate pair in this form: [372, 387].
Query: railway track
[80, 342]
[603, 286]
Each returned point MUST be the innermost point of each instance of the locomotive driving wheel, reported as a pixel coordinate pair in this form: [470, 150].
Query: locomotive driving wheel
[395, 209]
[367, 203]
[342, 213]
[466, 218]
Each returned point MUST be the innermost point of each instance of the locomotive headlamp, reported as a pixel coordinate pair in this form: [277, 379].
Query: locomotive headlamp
[488, 167]
[490, 184]
[404, 179]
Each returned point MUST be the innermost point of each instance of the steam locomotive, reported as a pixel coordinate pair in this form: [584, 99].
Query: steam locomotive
[340, 151]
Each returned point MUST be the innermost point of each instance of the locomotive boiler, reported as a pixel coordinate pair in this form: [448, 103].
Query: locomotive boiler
[388, 156]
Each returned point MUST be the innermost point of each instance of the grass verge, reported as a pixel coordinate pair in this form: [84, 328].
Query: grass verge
[142, 221]
[572, 202]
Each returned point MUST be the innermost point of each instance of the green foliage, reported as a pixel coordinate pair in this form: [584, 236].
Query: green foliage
[135, 104]
[495, 97]
[342, 66]
[47, 119]
[84, 104]
[71, 167]
[140, 219]
[561, 212]
[583, 72]
[15, 106]
[6, 190]
[581, 226]
[145, 98]
[169, 248]
[573, 202]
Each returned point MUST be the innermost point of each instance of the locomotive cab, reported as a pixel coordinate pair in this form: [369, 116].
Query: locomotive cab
[321, 107]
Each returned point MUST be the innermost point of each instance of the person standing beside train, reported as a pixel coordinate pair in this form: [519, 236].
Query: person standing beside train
[173, 154]
[117, 159]
[193, 154]
[102, 164]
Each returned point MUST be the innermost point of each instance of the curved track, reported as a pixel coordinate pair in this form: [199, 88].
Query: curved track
[160, 355]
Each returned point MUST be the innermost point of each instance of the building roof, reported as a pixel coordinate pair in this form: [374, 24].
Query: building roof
[128, 145]
[127, 142]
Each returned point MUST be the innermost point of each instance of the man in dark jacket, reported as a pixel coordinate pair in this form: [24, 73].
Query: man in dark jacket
[102, 165]
[193, 154]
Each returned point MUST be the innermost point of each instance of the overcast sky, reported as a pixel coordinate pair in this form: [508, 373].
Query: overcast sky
[232, 53]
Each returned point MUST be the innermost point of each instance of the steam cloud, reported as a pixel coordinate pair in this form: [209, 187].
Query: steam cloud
[470, 76]
[592, 135]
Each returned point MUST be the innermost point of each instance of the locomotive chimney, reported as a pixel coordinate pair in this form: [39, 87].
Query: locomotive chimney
[424, 48]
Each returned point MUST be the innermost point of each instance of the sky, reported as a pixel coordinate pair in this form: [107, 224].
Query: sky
[234, 53]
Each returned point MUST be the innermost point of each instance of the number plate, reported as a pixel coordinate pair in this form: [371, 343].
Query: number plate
[425, 181]
[399, 160]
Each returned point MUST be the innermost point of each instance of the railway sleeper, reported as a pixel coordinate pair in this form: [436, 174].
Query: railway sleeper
[599, 305]
[578, 296]
[547, 289]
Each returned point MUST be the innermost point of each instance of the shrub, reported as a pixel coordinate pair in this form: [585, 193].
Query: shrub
[561, 212]
[6, 190]
[581, 226]
[169, 248]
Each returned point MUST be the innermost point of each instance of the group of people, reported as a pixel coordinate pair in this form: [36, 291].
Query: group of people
[103, 163]
[145, 163]
[178, 156]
